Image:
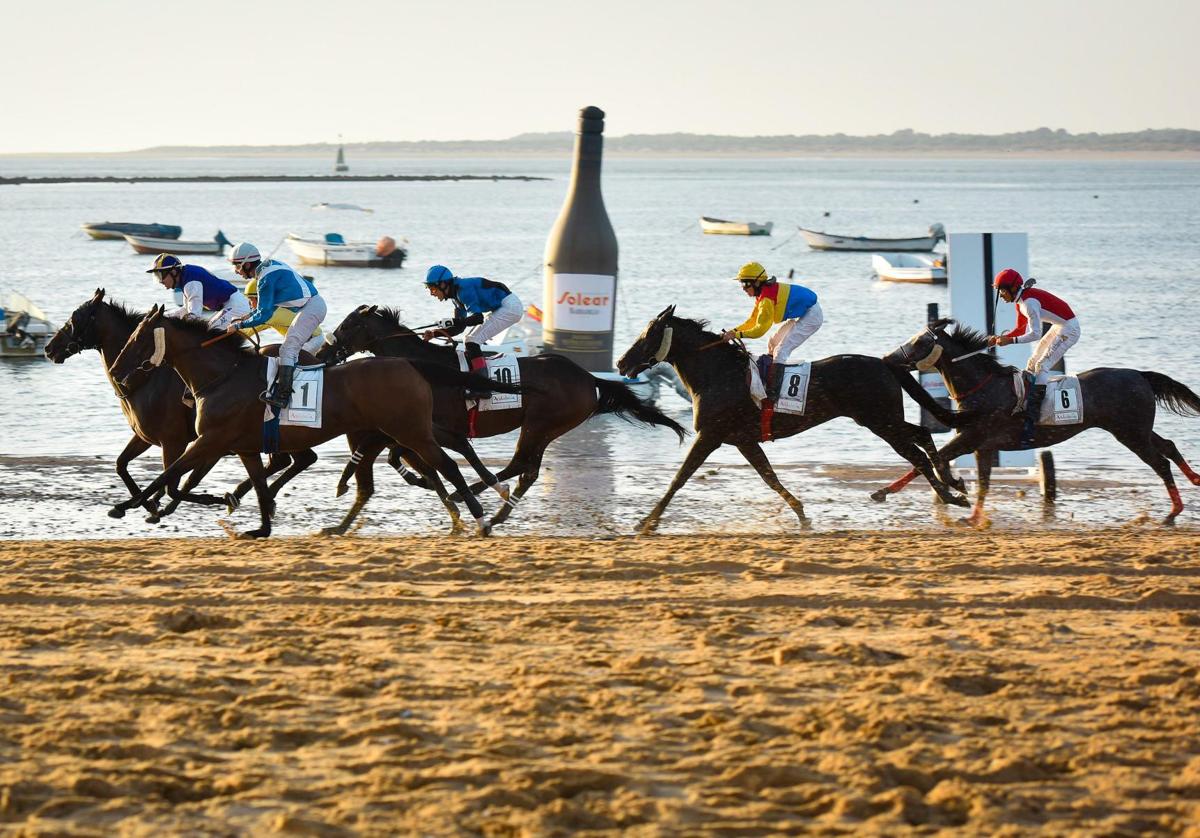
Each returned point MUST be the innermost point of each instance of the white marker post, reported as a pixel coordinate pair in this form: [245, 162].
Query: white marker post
[975, 259]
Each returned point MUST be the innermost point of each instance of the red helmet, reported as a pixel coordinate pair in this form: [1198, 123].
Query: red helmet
[1008, 278]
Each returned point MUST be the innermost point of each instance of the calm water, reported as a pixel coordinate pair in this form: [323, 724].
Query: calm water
[1117, 239]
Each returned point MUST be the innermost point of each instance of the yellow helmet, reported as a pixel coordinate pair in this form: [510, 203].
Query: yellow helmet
[251, 287]
[752, 272]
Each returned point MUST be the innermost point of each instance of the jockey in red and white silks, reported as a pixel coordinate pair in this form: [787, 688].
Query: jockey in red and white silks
[1033, 306]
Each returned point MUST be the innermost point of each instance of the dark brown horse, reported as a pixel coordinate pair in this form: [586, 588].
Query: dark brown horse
[1121, 401]
[388, 396]
[855, 386]
[559, 396]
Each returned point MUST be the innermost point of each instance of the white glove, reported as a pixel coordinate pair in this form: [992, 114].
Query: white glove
[445, 324]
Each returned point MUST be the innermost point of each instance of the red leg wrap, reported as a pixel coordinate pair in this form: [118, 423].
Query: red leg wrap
[472, 415]
[903, 481]
[768, 411]
[1189, 474]
[1176, 501]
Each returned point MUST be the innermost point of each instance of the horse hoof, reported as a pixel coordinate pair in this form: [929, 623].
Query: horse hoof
[153, 519]
[116, 512]
[879, 495]
[232, 502]
[333, 531]
[958, 485]
[261, 532]
[483, 528]
[341, 489]
[958, 500]
[647, 526]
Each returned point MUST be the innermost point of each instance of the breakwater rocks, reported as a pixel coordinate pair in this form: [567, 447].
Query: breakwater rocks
[33, 181]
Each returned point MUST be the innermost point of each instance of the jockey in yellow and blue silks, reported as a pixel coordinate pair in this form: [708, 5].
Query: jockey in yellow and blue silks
[794, 306]
[279, 285]
[280, 321]
[483, 303]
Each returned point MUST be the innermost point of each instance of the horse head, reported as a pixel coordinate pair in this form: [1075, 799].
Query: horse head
[652, 346]
[145, 351]
[78, 333]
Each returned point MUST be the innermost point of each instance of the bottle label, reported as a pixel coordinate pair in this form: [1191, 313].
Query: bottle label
[583, 302]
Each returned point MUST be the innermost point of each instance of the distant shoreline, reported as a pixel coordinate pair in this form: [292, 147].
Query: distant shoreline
[35, 181]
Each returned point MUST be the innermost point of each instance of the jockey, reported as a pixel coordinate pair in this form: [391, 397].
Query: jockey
[776, 302]
[201, 291]
[473, 298]
[280, 320]
[1033, 306]
[279, 286]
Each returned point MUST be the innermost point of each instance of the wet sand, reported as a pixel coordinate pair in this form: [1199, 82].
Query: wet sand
[833, 683]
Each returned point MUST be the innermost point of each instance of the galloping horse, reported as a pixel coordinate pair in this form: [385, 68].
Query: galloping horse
[856, 386]
[155, 411]
[1121, 401]
[559, 396]
[389, 396]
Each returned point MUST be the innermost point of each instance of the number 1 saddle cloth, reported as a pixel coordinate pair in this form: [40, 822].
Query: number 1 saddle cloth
[308, 388]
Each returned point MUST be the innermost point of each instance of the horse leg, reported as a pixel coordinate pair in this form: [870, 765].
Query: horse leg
[266, 505]
[702, 446]
[940, 464]
[199, 451]
[983, 465]
[364, 481]
[277, 462]
[1169, 450]
[412, 478]
[1150, 453]
[903, 444]
[184, 492]
[533, 467]
[134, 448]
[451, 472]
[299, 462]
[460, 444]
[754, 454]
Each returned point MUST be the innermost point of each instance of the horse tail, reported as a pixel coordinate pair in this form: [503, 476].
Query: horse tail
[949, 418]
[1172, 395]
[617, 398]
[439, 374]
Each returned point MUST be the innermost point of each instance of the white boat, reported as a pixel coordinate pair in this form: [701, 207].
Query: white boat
[24, 328]
[830, 241]
[335, 252]
[150, 244]
[721, 227]
[928, 268]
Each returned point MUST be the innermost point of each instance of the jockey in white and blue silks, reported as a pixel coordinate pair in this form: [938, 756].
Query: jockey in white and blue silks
[201, 291]
[279, 286]
[483, 303]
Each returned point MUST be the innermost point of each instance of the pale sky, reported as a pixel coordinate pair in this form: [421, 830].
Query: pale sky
[115, 75]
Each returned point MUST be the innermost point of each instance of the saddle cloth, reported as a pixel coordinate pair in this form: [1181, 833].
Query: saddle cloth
[1063, 404]
[793, 391]
[308, 387]
[505, 368]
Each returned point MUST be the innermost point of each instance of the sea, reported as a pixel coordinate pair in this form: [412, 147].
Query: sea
[1115, 238]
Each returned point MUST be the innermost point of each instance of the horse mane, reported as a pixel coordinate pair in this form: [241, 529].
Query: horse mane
[970, 339]
[200, 327]
[394, 316]
[131, 316]
[701, 326]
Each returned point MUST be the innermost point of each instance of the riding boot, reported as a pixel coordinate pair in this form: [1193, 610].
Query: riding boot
[1028, 379]
[281, 391]
[1033, 406]
[477, 365]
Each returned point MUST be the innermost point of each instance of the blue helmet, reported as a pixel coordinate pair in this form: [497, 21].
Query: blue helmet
[437, 274]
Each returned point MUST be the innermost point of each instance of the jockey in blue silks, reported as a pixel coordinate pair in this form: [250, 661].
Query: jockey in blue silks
[483, 303]
[279, 285]
[201, 291]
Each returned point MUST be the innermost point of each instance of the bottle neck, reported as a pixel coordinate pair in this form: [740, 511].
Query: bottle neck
[585, 171]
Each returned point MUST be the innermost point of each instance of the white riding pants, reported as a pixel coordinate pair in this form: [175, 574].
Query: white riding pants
[793, 333]
[308, 318]
[236, 306]
[509, 313]
[1053, 345]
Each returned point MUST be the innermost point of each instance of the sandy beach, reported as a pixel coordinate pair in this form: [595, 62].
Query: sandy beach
[834, 683]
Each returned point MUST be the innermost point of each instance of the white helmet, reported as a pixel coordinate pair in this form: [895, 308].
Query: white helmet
[244, 252]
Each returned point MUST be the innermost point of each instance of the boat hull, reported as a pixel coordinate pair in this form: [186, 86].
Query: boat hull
[149, 245]
[348, 255]
[828, 241]
[916, 268]
[720, 227]
[120, 229]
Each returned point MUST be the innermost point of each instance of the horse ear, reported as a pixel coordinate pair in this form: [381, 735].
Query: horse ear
[98, 296]
[155, 312]
[669, 311]
[362, 309]
[372, 309]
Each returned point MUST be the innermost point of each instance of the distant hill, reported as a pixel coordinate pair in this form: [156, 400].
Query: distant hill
[907, 142]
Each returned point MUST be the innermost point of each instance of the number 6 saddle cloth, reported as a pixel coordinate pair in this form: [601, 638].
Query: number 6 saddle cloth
[792, 382]
[1063, 404]
[506, 368]
[308, 387]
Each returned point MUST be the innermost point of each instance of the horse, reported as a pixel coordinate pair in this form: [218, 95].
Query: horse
[226, 378]
[560, 395]
[856, 386]
[1120, 401]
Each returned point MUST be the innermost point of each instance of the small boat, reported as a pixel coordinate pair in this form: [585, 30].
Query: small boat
[120, 229]
[325, 205]
[721, 227]
[334, 251]
[829, 241]
[910, 267]
[24, 329]
[150, 244]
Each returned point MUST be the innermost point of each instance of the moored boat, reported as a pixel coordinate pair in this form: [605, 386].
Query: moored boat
[149, 244]
[721, 227]
[24, 328]
[910, 267]
[333, 251]
[120, 229]
[919, 244]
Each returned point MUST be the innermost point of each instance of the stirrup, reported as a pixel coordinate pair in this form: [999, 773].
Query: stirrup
[270, 398]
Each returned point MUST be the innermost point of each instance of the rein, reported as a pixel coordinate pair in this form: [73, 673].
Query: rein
[958, 398]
